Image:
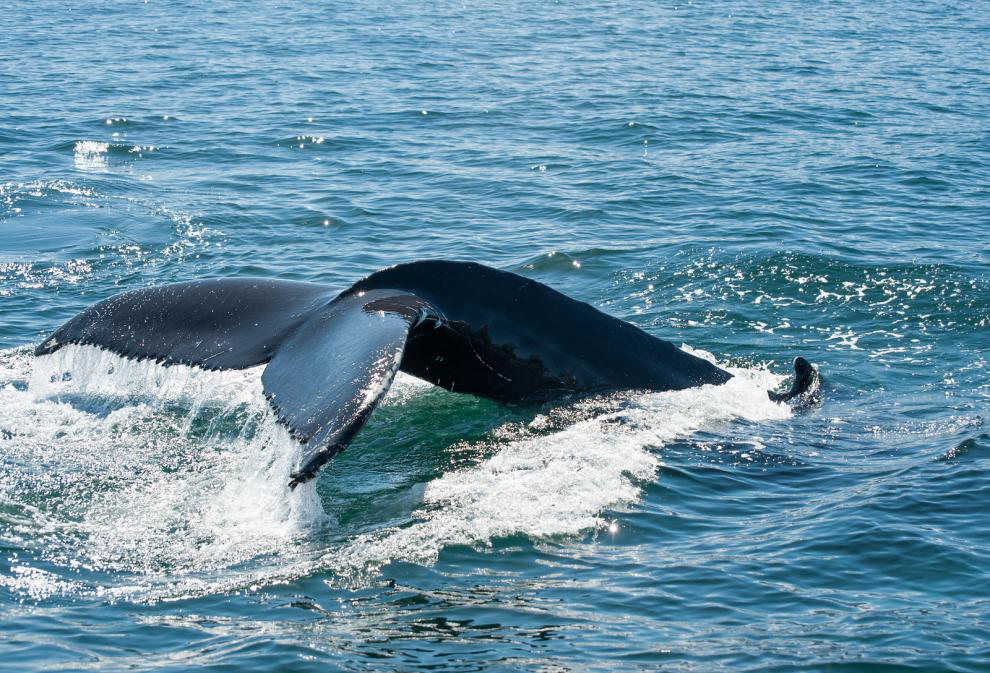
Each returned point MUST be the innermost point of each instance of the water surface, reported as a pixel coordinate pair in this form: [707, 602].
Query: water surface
[754, 181]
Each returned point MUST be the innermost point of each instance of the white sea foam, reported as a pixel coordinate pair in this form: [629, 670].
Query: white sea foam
[148, 469]
[173, 481]
[559, 484]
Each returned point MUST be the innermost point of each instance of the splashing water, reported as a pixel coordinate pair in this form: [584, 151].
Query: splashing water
[135, 468]
[545, 485]
[169, 481]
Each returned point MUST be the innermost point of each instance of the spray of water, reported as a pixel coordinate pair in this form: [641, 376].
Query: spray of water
[132, 480]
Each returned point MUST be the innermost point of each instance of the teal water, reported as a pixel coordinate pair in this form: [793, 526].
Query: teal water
[754, 180]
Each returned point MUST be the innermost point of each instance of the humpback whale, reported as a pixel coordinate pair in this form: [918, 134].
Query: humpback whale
[331, 357]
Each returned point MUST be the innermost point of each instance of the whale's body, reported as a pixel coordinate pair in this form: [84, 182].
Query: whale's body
[332, 357]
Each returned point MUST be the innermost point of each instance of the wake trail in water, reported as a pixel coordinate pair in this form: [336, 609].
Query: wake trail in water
[129, 480]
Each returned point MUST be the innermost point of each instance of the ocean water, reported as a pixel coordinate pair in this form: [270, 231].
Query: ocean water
[755, 181]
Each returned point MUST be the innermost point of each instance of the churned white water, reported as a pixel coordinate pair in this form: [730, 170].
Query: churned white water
[173, 481]
[543, 485]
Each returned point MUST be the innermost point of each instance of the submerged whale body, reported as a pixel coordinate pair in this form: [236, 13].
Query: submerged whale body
[332, 357]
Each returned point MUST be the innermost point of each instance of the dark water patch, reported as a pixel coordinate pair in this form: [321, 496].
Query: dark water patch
[927, 183]
[961, 451]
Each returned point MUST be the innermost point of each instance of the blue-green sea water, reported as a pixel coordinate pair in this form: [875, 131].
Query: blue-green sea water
[753, 180]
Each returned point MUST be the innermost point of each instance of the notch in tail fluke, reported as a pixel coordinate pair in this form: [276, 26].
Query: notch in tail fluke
[806, 387]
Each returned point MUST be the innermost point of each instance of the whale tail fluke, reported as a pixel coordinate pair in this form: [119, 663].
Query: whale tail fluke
[806, 387]
[329, 362]
[331, 357]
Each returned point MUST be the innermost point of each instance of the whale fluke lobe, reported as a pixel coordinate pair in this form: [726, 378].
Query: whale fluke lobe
[332, 357]
[229, 323]
[806, 384]
[331, 373]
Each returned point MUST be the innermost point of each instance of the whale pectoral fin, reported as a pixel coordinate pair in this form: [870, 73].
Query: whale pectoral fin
[230, 323]
[328, 376]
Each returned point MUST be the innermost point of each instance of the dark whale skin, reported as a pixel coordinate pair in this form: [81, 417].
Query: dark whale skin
[510, 338]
